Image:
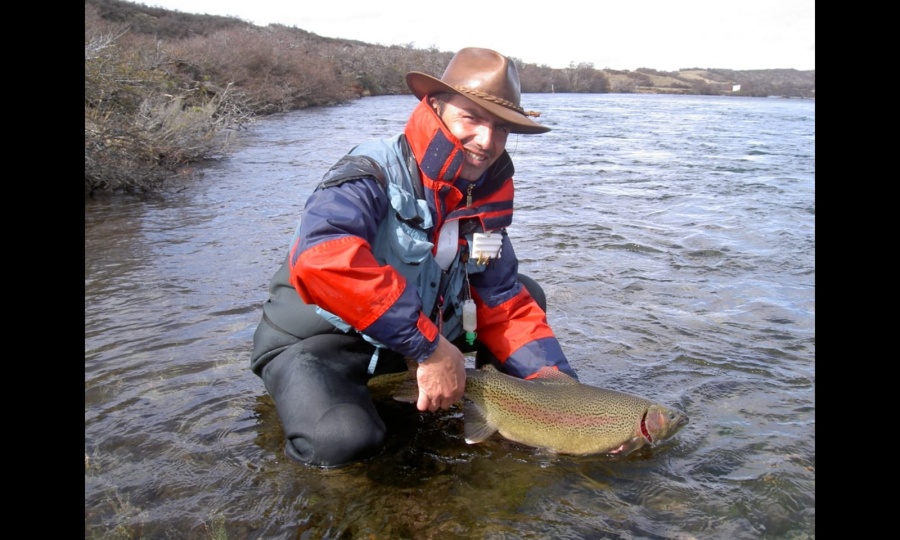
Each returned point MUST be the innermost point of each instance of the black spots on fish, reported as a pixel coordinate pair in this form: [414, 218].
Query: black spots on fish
[558, 413]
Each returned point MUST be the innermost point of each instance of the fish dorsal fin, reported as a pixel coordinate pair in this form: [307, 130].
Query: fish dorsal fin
[551, 375]
[476, 426]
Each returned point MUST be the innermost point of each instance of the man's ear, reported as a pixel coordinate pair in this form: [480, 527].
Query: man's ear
[436, 104]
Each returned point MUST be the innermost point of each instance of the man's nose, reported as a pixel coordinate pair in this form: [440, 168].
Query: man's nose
[484, 135]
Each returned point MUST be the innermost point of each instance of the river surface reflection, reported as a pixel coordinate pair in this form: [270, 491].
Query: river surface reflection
[675, 238]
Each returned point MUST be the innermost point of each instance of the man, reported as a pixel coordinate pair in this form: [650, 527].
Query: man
[400, 238]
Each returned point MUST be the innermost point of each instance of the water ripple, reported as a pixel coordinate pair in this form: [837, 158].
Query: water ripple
[675, 239]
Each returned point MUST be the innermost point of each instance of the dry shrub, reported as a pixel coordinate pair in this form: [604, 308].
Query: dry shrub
[141, 124]
[273, 66]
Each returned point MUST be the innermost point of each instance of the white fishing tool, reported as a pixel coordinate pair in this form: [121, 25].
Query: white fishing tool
[486, 246]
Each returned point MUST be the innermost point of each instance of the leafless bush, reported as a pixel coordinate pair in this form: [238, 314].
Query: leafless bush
[163, 89]
[140, 124]
[274, 66]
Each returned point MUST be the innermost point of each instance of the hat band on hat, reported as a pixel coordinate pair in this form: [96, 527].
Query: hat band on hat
[494, 99]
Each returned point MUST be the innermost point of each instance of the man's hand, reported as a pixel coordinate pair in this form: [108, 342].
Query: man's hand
[441, 377]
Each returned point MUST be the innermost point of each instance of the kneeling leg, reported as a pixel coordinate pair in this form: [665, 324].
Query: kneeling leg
[319, 389]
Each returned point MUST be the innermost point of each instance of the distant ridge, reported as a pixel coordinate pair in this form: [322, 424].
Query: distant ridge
[174, 25]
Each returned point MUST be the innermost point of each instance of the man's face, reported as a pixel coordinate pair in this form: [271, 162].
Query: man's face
[482, 134]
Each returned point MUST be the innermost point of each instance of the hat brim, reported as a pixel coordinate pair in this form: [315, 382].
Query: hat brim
[423, 85]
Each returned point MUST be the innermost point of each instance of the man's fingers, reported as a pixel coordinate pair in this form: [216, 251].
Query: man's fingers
[426, 403]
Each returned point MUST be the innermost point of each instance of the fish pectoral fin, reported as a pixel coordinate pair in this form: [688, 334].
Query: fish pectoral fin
[476, 426]
[628, 446]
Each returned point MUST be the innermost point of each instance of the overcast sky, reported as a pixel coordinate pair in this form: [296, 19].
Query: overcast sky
[666, 35]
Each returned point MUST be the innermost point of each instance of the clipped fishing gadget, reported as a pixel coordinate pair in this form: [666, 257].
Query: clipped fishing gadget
[486, 246]
[469, 316]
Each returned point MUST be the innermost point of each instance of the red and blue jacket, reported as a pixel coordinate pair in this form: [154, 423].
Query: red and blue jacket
[364, 252]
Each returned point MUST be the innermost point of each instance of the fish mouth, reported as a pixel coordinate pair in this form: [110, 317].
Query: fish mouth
[662, 423]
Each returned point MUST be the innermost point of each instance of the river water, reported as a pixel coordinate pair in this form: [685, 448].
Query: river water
[675, 238]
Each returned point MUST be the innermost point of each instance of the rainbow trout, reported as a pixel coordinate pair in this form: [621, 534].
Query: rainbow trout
[557, 413]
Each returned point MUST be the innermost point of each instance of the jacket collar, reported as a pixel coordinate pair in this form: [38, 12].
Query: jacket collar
[440, 155]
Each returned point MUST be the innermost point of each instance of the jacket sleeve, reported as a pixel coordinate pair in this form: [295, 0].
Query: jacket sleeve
[333, 267]
[510, 322]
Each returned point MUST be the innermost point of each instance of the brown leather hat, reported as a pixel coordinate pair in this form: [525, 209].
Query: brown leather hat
[488, 79]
